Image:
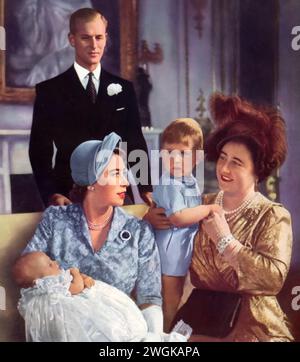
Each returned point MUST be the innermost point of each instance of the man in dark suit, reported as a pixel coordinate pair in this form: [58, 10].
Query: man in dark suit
[81, 104]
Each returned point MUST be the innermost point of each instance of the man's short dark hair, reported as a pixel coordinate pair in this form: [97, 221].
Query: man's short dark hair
[85, 14]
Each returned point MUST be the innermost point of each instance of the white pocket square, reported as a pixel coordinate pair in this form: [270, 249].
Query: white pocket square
[120, 109]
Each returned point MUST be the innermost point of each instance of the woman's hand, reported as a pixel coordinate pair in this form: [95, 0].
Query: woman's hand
[147, 198]
[216, 208]
[157, 218]
[59, 200]
[216, 226]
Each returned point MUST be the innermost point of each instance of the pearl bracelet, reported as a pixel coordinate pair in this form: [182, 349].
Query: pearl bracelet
[224, 242]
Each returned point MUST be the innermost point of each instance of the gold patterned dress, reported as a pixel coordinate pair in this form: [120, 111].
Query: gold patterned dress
[258, 271]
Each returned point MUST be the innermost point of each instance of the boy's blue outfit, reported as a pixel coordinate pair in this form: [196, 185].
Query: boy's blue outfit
[176, 244]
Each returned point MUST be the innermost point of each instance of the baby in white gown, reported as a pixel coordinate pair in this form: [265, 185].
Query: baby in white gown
[59, 305]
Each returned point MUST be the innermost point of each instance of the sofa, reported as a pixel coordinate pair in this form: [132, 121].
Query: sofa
[15, 231]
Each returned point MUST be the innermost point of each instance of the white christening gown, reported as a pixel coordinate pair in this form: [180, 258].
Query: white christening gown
[99, 314]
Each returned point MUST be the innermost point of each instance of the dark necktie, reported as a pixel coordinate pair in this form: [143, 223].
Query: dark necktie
[90, 88]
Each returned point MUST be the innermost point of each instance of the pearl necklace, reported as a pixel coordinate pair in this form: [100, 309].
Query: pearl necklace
[230, 215]
[93, 226]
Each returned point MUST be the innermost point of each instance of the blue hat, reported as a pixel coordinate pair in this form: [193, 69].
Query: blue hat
[90, 158]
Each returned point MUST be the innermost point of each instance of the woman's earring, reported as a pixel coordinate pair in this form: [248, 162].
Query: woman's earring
[91, 188]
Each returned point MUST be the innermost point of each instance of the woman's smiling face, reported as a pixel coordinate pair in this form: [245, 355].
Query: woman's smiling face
[235, 169]
[111, 187]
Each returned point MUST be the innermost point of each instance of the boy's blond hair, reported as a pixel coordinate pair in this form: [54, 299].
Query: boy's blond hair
[183, 129]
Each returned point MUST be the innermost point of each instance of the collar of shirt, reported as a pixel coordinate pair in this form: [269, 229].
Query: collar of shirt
[82, 74]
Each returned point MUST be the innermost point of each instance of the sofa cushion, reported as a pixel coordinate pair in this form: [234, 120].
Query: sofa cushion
[16, 230]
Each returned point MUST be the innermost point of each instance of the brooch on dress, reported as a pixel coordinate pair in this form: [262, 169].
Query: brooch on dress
[125, 235]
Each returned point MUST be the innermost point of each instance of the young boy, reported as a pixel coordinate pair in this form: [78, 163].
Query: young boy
[178, 193]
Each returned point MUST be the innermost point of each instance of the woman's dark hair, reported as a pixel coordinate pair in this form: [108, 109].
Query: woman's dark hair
[77, 194]
[260, 129]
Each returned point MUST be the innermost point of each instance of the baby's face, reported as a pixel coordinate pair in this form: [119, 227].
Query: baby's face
[178, 159]
[45, 266]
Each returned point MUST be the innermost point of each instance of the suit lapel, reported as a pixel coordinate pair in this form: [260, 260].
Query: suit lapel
[105, 105]
[74, 88]
[97, 117]
[77, 105]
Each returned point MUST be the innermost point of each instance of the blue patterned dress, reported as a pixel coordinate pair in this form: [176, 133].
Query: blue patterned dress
[128, 260]
[176, 244]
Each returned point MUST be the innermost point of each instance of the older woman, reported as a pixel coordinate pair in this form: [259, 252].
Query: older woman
[245, 251]
[97, 236]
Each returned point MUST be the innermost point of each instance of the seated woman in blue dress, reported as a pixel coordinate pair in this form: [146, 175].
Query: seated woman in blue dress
[96, 236]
